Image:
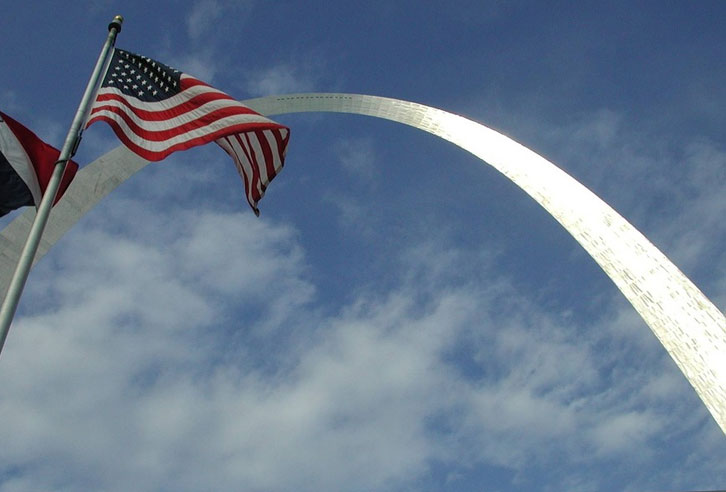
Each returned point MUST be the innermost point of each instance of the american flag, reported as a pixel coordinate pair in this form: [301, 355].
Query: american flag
[156, 110]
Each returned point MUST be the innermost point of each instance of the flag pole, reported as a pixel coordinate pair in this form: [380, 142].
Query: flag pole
[73, 139]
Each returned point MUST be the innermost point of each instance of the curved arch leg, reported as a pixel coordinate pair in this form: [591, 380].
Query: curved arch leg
[689, 326]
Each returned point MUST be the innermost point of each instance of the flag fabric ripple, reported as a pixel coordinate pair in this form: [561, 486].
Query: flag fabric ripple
[26, 165]
[156, 110]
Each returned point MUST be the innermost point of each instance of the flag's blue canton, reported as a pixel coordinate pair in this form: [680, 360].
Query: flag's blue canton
[141, 77]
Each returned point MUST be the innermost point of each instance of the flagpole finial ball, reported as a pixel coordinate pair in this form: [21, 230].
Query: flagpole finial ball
[116, 23]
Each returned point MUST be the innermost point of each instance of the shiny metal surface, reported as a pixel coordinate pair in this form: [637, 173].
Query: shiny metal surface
[689, 326]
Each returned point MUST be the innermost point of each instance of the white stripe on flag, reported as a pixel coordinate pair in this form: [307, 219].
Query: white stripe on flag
[160, 146]
[174, 120]
[259, 158]
[235, 147]
[276, 155]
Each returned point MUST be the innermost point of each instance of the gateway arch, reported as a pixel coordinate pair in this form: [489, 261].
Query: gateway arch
[684, 320]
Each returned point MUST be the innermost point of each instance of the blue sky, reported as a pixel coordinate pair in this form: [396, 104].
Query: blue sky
[400, 317]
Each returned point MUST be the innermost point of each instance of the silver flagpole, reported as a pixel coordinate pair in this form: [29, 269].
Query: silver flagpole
[73, 139]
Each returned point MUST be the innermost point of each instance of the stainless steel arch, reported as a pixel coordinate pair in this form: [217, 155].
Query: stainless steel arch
[689, 326]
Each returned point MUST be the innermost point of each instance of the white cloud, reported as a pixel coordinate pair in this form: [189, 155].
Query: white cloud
[283, 78]
[358, 157]
[208, 50]
[202, 18]
[202, 64]
[614, 435]
[206, 16]
[9, 102]
[150, 349]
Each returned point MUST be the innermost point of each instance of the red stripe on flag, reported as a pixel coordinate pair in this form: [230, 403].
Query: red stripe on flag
[239, 165]
[131, 139]
[267, 152]
[255, 178]
[201, 121]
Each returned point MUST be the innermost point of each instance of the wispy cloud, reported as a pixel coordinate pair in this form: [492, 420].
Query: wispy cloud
[202, 18]
[358, 157]
[9, 101]
[282, 78]
[205, 17]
